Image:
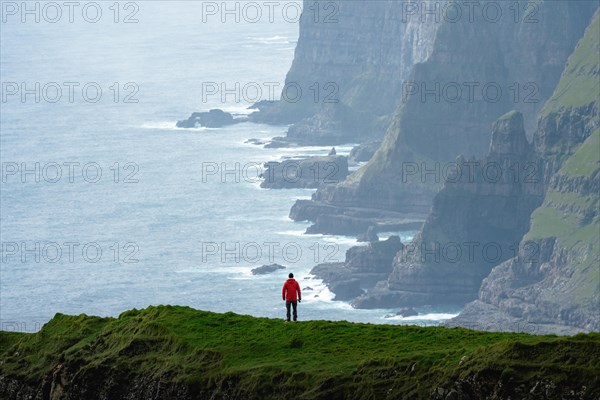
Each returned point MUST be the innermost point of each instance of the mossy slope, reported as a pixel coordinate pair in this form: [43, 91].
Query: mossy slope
[179, 352]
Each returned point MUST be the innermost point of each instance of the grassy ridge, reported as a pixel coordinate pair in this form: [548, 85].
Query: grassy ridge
[313, 359]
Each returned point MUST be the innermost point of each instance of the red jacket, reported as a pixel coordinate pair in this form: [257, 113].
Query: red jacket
[291, 290]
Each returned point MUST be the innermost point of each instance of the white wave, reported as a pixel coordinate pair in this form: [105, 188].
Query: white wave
[238, 109]
[423, 317]
[347, 240]
[270, 39]
[171, 126]
[291, 233]
[405, 236]
[164, 125]
[320, 292]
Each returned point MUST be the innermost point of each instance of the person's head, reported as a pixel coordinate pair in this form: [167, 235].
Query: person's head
[290, 275]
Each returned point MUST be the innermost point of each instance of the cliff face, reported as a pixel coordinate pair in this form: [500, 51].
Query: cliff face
[477, 70]
[476, 221]
[554, 280]
[358, 53]
[479, 218]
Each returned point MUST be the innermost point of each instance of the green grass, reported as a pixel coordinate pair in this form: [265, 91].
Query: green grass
[272, 359]
[587, 158]
[570, 229]
[579, 85]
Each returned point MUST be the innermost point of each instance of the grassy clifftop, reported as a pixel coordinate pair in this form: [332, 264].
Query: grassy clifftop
[193, 354]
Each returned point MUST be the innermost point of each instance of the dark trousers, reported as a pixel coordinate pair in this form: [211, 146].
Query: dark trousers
[288, 305]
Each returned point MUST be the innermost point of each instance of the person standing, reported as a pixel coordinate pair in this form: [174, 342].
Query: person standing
[292, 296]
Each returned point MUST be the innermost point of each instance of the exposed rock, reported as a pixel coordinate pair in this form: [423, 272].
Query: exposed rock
[450, 257]
[553, 285]
[404, 312]
[352, 220]
[364, 266]
[258, 142]
[263, 105]
[212, 119]
[267, 269]
[278, 143]
[370, 235]
[346, 290]
[363, 152]
[310, 172]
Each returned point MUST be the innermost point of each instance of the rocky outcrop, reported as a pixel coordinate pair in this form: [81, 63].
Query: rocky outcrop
[475, 223]
[212, 119]
[363, 268]
[267, 269]
[438, 118]
[363, 152]
[404, 312]
[311, 172]
[352, 221]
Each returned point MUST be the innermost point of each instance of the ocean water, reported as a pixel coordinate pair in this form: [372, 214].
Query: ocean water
[106, 206]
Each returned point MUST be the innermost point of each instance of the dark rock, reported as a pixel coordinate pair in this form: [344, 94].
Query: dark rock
[370, 235]
[333, 124]
[407, 312]
[331, 272]
[263, 105]
[278, 143]
[351, 220]
[310, 172]
[267, 269]
[332, 152]
[363, 152]
[212, 119]
[346, 290]
[355, 221]
[364, 267]
[258, 142]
